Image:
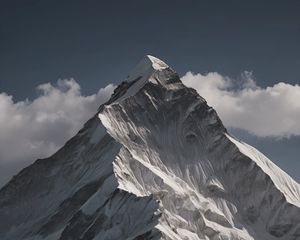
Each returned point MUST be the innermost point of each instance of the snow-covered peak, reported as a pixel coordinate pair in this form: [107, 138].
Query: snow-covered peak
[156, 63]
[159, 165]
[146, 67]
[140, 75]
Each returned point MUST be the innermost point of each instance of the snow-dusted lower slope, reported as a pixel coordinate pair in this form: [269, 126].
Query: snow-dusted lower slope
[154, 163]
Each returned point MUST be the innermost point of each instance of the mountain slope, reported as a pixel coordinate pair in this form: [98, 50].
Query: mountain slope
[155, 162]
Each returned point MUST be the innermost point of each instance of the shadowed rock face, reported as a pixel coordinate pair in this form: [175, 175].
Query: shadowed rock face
[155, 162]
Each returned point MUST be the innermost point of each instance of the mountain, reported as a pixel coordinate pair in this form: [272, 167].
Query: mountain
[155, 162]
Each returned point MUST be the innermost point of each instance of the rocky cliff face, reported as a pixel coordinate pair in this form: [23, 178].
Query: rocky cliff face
[155, 162]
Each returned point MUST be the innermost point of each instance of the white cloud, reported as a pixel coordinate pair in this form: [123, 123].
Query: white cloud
[36, 129]
[273, 111]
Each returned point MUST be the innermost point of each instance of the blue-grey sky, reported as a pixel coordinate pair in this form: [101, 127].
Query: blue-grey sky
[98, 42]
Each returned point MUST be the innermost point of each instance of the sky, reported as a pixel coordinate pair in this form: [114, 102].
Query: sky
[59, 60]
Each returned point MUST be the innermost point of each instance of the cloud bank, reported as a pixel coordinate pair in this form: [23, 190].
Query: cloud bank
[265, 112]
[36, 129]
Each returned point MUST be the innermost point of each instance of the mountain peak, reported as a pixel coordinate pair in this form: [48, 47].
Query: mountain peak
[143, 72]
[155, 62]
[146, 66]
[159, 165]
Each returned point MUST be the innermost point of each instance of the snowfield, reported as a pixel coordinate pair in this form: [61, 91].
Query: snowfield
[155, 162]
